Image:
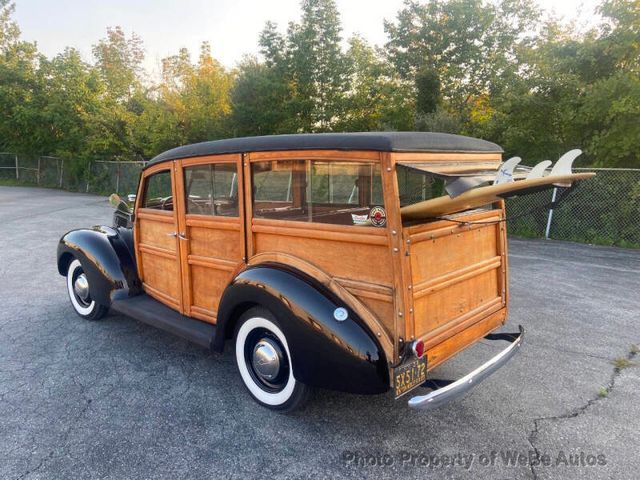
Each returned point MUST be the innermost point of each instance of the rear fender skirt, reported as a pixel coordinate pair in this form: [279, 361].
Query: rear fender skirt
[325, 352]
[106, 257]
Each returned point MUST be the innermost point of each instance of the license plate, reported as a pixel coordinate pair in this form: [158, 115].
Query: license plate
[410, 375]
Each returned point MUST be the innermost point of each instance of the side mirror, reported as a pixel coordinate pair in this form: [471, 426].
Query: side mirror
[123, 215]
[116, 202]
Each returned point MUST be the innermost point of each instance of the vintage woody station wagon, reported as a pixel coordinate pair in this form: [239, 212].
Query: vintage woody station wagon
[328, 260]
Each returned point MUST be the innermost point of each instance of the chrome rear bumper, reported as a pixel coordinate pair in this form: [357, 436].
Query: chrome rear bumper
[453, 390]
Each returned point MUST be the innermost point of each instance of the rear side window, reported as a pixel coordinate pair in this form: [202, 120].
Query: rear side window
[341, 193]
[212, 189]
[157, 191]
[415, 187]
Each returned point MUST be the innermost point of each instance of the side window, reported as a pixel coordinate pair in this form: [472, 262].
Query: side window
[415, 187]
[157, 191]
[212, 189]
[341, 193]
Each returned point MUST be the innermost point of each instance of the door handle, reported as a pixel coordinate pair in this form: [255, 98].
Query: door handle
[182, 236]
[172, 234]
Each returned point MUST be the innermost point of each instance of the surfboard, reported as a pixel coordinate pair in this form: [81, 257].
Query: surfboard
[477, 197]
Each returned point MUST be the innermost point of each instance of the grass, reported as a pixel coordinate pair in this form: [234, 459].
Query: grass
[603, 392]
[12, 182]
[621, 363]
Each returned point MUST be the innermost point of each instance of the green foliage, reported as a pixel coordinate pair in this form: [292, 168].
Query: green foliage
[377, 99]
[492, 69]
[467, 45]
[428, 91]
[119, 60]
[258, 87]
[611, 114]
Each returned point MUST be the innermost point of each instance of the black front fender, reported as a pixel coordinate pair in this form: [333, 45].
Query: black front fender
[107, 259]
[326, 353]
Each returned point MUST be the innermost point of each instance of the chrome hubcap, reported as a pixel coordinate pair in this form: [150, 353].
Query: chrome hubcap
[266, 359]
[81, 287]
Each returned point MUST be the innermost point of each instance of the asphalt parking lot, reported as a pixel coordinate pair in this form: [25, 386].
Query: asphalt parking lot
[118, 399]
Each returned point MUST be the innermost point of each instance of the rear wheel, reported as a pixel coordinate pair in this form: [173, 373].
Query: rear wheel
[79, 294]
[264, 362]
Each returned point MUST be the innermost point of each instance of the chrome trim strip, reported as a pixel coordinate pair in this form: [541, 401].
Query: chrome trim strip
[438, 397]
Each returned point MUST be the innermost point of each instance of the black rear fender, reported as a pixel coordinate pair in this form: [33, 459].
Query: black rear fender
[106, 255]
[325, 352]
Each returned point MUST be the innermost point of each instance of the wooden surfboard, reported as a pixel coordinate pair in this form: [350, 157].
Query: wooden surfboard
[477, 197]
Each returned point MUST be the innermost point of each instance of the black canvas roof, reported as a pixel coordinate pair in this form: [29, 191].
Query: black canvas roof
[377, 141]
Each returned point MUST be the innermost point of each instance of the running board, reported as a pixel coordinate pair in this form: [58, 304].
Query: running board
[150, 311]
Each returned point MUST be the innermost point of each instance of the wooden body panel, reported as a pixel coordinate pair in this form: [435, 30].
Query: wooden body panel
[211, 247]
[358, 258]
[458, 280]
[353, 255]
[212, 253]
[157, 250]
[464, 338]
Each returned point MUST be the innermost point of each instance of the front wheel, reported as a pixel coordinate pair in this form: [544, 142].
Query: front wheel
[78, 288]
[264, 362]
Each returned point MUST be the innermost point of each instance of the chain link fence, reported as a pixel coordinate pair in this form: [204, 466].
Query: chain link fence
[98, 176]
[603, 210]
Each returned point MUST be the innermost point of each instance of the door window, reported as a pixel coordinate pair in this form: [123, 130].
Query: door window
[212, 189]
[157, 191]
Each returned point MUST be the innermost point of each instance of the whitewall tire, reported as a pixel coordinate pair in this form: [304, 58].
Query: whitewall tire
[78, 289]
[264, 362]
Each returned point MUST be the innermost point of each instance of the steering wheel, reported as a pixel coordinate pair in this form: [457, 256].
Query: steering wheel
[166, 201]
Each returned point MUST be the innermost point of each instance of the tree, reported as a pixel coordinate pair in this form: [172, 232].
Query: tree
[191, 104]
[429, 94]
[317, 67]
[574, 91]
[468, 45]
[376, 98]
[9, 30]
[119, 61]
[19, 85]
[490, 69]
[259, 100]
[611, 119]
[69, 99]
[206, 97]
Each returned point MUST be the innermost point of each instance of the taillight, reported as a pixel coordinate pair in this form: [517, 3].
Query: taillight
[417, 348]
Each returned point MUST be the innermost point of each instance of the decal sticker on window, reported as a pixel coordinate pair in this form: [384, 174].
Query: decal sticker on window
[378, 217]
[360, 219]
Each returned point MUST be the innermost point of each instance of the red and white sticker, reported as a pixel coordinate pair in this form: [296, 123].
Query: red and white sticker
[378, 217]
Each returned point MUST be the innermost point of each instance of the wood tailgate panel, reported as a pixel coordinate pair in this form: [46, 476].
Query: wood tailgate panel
[457, 278]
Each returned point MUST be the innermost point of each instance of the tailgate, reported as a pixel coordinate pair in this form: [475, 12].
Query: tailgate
[458, 281]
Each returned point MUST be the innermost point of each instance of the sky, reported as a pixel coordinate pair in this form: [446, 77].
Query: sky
[231, 26]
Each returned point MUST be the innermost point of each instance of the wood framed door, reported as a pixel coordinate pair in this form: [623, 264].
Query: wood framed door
[211, 230]
[156, 236]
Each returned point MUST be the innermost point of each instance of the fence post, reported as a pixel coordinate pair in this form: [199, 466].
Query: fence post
[61, 170]
[38, 177]
[90, 174]
[550, 217]
[17, 174]
[118, 177]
